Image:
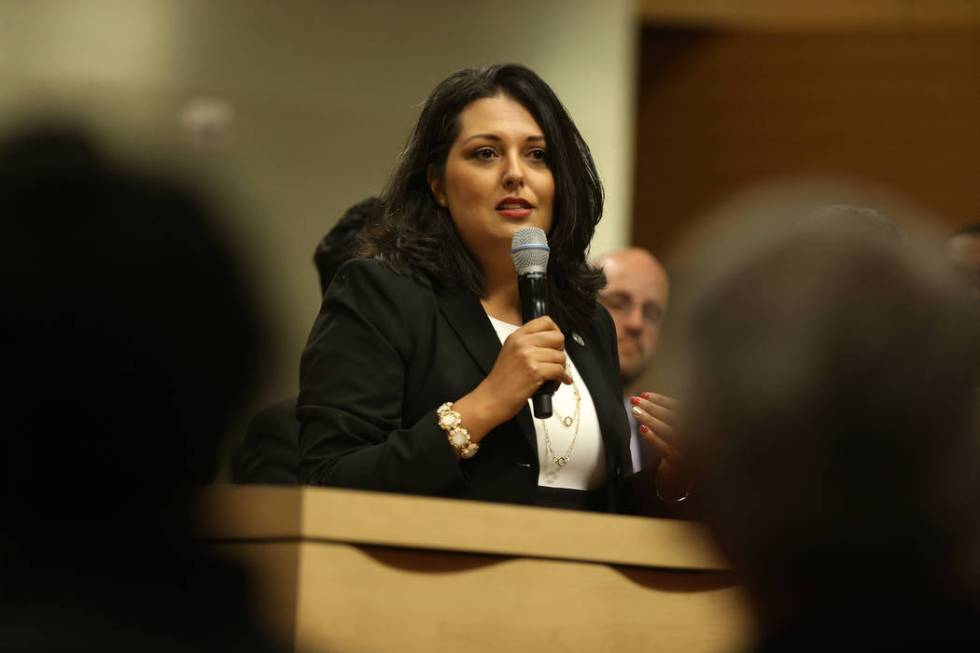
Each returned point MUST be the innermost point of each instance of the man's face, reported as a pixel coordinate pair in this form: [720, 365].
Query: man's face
[965, 252]
[636, 297]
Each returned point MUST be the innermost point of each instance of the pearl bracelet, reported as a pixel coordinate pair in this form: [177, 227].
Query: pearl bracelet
[451, 422]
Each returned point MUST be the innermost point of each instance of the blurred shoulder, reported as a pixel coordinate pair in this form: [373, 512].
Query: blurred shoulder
[281, 412]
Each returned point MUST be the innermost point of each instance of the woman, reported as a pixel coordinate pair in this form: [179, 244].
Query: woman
[417, 374]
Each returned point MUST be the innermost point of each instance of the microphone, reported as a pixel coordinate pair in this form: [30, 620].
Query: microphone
[529, 251]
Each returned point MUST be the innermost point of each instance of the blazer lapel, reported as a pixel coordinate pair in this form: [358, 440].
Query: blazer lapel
[467, 318]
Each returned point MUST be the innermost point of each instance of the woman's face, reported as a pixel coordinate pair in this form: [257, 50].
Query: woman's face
[495, 180]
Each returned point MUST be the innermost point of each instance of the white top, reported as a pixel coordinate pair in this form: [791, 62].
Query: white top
[586, 467]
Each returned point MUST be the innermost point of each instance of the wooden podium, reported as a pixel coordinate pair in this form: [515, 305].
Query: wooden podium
[342, 571]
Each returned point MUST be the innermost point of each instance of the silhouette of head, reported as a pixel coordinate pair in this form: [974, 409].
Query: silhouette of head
[130, 340]
[829, 409]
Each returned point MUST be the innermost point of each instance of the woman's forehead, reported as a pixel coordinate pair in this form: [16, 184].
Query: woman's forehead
[498, 117]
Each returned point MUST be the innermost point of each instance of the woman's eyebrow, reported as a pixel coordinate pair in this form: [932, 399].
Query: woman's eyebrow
[489, 137]
[496, 138]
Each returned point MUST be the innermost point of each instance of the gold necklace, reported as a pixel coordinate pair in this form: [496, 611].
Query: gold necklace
[568, 420]
[549, 451]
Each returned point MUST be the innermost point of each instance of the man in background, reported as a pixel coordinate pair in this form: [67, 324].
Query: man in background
[636, 297]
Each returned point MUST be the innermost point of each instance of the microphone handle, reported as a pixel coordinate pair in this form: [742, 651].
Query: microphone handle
[533, 289]
[542, 404]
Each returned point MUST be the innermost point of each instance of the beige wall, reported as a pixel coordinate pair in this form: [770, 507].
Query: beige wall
[323, 94]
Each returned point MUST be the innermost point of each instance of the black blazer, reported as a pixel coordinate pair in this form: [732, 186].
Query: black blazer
[386, 350]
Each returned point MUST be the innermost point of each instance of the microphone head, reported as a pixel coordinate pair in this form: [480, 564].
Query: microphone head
[529, 251]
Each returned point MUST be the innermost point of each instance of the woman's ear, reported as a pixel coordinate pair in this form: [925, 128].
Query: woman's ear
[436, 185]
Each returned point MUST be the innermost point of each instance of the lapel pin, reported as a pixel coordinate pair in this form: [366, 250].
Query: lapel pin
[577, 338]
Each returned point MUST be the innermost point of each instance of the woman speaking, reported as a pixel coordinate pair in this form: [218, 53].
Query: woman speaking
[418, 371]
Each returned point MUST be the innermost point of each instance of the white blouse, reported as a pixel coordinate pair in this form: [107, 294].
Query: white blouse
[586, 466]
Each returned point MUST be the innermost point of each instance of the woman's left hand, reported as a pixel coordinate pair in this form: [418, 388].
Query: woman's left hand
[657, 418]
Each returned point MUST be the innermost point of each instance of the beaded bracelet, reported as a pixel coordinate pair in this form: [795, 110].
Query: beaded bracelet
[451, 422]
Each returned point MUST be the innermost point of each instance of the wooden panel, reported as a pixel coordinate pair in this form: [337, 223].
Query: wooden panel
[721, 110]
[338, 570]
[471, 526]
[384, 599]
[274, 513]
[808, 14]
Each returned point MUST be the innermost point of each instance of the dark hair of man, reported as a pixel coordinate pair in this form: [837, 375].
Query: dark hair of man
[344, 240]
[418, 237]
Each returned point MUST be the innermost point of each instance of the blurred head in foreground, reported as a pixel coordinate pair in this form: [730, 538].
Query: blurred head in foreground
[829, 407]
[129, 343]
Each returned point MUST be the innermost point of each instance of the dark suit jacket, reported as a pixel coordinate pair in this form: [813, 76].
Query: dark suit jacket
[386, 351]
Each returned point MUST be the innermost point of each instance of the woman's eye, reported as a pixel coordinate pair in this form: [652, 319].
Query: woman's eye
[538, 155]
[484, 153]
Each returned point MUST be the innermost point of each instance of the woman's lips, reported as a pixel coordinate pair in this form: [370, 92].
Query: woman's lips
[515, 213]
[514, 208]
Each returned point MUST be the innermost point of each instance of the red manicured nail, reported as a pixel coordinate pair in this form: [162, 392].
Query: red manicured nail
[643, 427]
[646, 395]
[635, 401]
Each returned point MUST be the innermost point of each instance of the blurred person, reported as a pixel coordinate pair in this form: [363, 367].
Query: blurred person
[862, 220]
[269, 452]
[964, 250]
[827, 379]
[636, 294]
[418, 372]
[656, 414]
[130, 343]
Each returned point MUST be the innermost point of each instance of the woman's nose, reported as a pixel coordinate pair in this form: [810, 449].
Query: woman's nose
[513, 174]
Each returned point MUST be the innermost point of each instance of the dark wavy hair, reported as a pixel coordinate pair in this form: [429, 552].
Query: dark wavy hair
[418, 237]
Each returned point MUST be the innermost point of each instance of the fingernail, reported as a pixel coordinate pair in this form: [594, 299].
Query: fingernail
[643, 427]
[637, 411]
[646, 395]
[635, 401]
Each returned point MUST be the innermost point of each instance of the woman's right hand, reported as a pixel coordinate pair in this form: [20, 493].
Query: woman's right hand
[532, 355]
